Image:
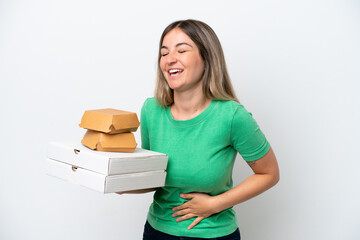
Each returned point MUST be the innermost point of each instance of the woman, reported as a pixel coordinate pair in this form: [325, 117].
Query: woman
[196, 119]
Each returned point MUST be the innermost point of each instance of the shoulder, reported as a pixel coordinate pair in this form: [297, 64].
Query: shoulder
[230, 108]
[150, 104]
[240, 118]
[151, 107]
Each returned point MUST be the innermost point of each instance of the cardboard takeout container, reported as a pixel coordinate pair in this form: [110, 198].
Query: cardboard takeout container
[122, 142]
[106, 172]
[103, 183]
[111, 121]
[106, 163]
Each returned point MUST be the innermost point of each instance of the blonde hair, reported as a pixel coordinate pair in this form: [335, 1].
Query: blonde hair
[216, 81]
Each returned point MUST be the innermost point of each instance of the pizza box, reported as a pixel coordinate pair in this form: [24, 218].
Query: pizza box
[106, 163]
[102, 183]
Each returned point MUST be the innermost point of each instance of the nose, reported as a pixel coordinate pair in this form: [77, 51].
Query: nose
[171, 58]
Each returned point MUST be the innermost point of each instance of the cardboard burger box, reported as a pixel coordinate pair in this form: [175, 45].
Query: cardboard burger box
[106, 172]
[122, 142]
[111, 121]
[109, 130]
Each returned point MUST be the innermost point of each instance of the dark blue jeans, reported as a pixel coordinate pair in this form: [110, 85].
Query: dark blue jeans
[152, 234]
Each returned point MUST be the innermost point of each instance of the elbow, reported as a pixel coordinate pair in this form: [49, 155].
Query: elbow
[275, 175]
[276, 179]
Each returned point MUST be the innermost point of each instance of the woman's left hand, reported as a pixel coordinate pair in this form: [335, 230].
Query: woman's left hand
[200, 205]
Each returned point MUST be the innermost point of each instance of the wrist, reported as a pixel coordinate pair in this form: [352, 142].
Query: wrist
[218, 204]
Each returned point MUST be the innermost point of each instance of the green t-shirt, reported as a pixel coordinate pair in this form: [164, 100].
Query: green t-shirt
[201, 154]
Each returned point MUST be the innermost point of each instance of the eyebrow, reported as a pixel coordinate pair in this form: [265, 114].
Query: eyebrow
[177, 45]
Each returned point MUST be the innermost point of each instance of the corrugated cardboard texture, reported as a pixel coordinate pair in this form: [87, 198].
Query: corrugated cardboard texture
[123, 142]
[110, 121]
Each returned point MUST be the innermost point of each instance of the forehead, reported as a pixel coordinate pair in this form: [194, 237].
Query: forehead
[176, 36]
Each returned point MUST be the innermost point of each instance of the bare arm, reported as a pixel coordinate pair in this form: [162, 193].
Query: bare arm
[266, 174]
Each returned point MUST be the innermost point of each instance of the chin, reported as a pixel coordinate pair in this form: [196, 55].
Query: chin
[174, 86]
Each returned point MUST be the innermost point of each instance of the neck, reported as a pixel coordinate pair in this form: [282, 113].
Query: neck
[189, 104]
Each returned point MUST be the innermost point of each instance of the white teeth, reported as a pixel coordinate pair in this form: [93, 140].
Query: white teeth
[171, 71]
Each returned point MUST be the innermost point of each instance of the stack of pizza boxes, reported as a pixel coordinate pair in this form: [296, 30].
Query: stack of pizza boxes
[107, 159]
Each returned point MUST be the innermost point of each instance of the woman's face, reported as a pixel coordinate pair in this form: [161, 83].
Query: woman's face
[180, 61]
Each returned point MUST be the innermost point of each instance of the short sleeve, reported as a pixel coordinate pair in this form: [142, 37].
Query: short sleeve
[145, 143]
[246, 136]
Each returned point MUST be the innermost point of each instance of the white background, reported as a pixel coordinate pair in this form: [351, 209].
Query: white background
[294, 65]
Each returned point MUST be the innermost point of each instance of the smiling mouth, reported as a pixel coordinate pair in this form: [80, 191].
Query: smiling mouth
[175, 72]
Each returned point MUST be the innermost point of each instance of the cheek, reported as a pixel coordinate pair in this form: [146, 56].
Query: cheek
[197, 62]
[162, 65]
[201, 64]
[199, 68]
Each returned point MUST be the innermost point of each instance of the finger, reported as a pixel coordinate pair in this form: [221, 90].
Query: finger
[181, 212]
[195, 222]
[182, 206]
[186, 195]
[185, 217]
